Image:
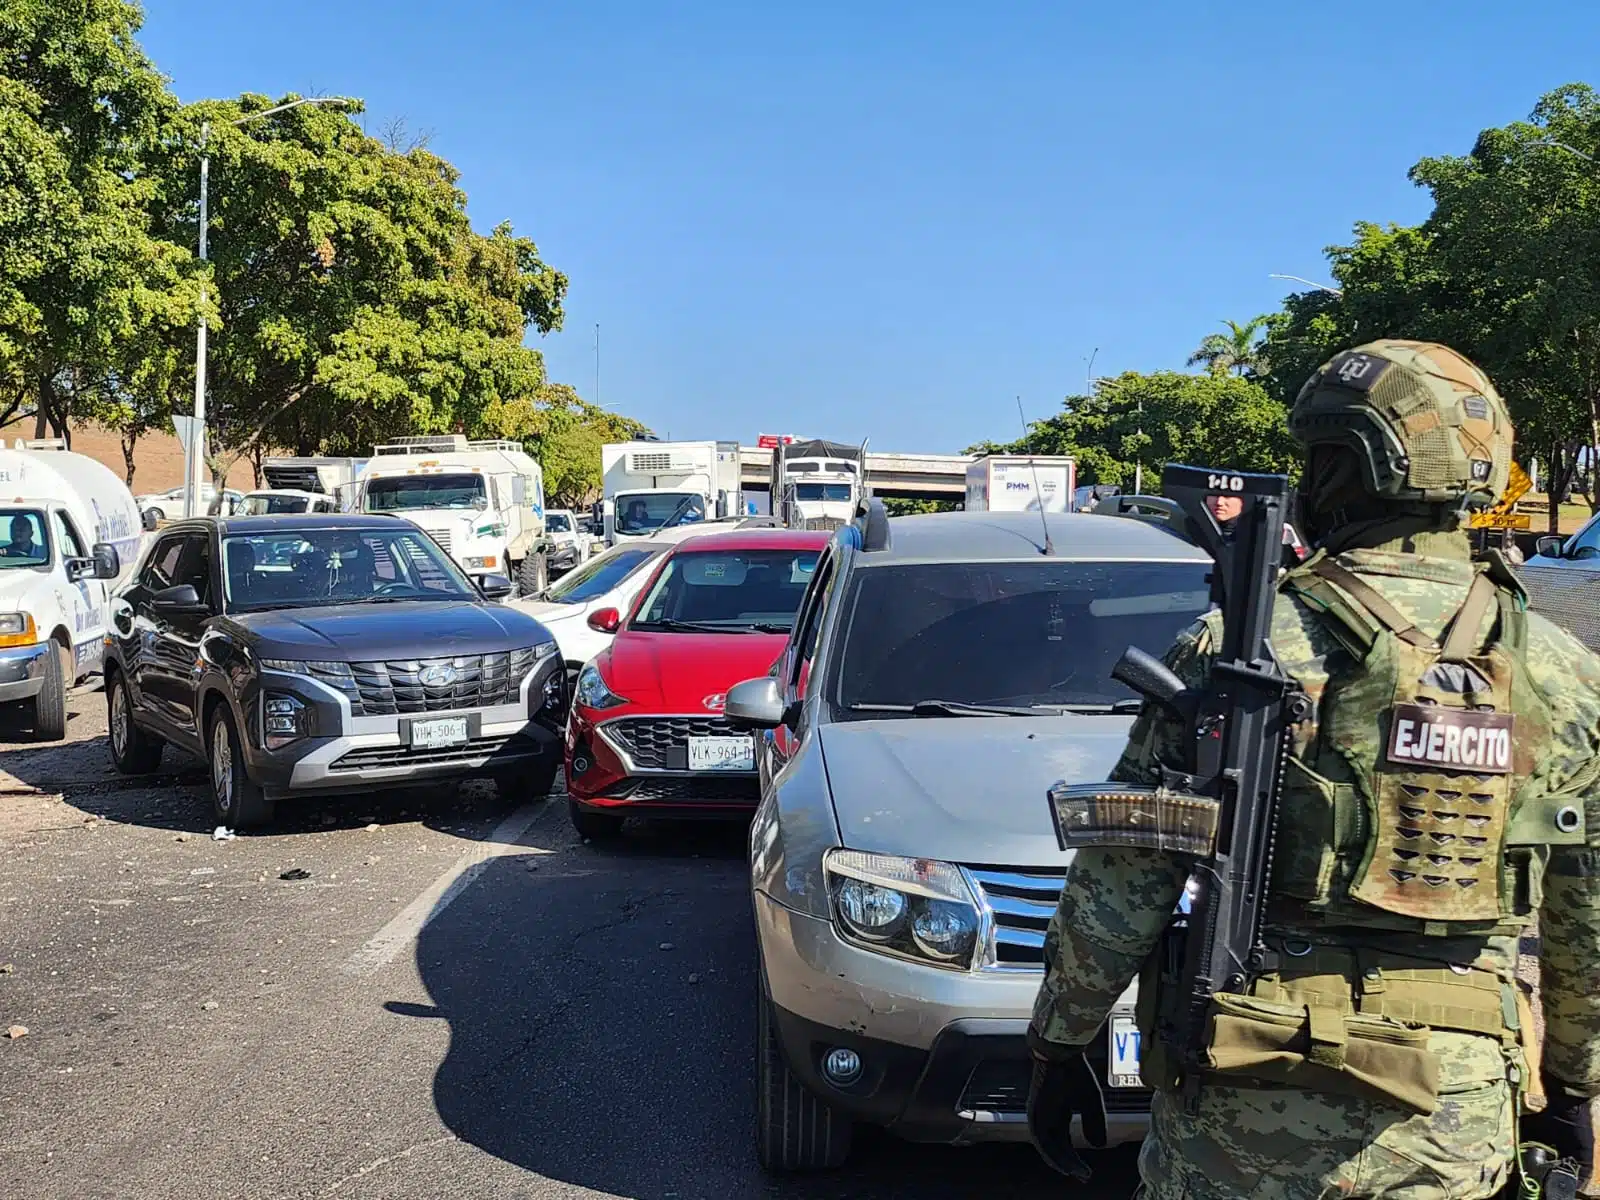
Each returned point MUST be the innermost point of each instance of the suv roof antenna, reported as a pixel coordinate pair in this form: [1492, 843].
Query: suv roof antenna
[1027, 432]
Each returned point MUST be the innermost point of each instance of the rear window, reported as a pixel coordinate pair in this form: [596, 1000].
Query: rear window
[1034, 634]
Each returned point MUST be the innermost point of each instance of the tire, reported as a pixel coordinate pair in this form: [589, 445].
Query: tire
[237, 801]
[795, 1131]
[597, 827]
[133, 751]
[50, 705]
[533, 574]
[157, 513]
[532, 785]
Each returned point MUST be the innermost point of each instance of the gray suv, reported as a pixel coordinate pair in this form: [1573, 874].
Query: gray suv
[944, 671]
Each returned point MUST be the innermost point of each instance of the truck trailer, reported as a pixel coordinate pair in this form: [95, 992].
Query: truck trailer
[1020, 483]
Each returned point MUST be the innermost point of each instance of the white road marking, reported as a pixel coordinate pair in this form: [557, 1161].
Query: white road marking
[386, 945]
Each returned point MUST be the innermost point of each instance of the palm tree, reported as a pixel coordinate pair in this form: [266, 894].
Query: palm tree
[1239, 349]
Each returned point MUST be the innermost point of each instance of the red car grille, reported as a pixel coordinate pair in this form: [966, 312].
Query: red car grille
[662, 743]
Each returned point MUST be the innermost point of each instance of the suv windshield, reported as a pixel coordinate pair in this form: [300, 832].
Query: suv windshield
[599, 575]
[259, 505]
[718, 591]
[557, 523]
[301, 568]
[23, 540]
[641, 514]
[1012, 634]
[426, 491]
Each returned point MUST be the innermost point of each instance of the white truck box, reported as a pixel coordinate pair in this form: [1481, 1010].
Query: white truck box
[1013, 483]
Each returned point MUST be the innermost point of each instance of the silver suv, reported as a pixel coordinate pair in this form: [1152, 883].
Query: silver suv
[944, 672]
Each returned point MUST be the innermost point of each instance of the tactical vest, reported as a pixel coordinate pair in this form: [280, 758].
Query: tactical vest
[1414, 822]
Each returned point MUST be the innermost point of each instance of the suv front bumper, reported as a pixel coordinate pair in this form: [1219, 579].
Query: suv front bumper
[944, 1053]
[22, 671]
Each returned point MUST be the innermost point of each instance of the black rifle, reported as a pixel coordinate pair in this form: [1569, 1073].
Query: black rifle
[1221, 806]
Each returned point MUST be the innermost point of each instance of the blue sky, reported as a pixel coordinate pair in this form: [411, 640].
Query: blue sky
[890, 219]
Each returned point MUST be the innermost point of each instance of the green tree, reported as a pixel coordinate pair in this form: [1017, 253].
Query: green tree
[1237, 350]
[80, 104]
[564, 432]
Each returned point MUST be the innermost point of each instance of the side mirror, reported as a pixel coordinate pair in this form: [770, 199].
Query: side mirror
[180, 599]
[756, 704]
[148, 520]
[494, 587]
[107, 562]
[1548, 546]
[605, 620]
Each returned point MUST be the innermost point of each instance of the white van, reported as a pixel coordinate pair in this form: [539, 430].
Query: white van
[69, 532]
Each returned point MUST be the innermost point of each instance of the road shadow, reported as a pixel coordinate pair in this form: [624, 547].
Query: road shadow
[602, 1026]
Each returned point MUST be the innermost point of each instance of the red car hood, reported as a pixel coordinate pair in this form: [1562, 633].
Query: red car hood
[676, 672]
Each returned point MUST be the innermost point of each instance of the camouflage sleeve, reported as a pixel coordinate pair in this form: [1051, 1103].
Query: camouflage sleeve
[1116, 901]
[1568, 676]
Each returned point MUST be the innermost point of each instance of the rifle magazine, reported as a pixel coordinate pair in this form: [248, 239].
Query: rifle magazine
[1154, 818]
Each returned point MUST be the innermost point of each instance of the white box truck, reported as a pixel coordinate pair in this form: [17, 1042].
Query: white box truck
[1016, 483]
[649, 486]
[70, 532]
[482, 501]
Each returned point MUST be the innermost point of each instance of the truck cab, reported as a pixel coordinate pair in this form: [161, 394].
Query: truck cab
[482, 501]
[69, 529]
[654, 486]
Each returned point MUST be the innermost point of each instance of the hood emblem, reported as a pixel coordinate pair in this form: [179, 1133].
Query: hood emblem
[438, 675]
[715, 701]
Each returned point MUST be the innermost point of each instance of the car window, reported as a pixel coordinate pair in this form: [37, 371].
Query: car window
[727, 589]
[601, 575]
[22, 538]
[813, 614]
[71, 543]
[1015, 634]
[194, 567]
[1585, 544]
[160, 571]
[557, 523]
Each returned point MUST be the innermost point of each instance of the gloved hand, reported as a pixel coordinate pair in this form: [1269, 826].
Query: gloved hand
[1062, 1088]
[1565, 1125]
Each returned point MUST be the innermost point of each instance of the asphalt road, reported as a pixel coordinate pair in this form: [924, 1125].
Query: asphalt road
[571, 1021]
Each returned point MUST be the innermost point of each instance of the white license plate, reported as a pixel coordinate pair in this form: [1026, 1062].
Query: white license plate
[722, 754]
[1123, 1053]
[446, 731]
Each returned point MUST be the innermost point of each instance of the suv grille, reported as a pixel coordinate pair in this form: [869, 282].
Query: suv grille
[662, 743]
[1023, 901]
[395, 686]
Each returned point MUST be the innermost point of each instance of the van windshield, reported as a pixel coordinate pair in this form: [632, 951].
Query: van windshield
[24, 541]
[402, 492]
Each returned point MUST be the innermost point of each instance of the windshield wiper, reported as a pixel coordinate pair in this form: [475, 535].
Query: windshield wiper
[955, 708]
[1129, 704]
[771, 627]
[693, 626]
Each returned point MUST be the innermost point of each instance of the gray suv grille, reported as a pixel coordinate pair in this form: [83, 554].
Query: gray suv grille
[1023, 901]
[662, 743]
[395, 687]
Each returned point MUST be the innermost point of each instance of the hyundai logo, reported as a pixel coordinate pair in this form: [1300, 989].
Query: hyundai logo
[715, 701]
[438, 675]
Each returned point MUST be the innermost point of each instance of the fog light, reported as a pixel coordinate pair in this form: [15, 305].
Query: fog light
[841, 1066]
[580, 764]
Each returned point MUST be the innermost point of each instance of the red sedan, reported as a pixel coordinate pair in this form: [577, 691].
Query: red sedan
[646, 732]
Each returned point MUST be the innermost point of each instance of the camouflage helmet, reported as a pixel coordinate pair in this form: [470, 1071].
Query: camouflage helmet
[1427, 426]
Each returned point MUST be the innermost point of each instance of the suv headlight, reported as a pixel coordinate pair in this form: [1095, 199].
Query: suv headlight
[592, 692]
[913, 907]
[286, 719]
[17, 629]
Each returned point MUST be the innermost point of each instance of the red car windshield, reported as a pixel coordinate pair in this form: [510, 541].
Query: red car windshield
[727, 591]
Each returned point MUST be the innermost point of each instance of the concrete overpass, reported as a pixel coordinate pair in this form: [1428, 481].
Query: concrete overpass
[905, 476]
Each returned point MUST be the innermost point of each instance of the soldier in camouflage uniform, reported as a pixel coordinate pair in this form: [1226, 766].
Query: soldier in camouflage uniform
[1369, 900]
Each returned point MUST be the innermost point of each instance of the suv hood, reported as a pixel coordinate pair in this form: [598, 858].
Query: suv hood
[963, 789]
[402, 630]
[676, 672]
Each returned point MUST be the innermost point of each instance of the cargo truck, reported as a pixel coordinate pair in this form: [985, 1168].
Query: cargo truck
[651, 486]
[482, 501]
[1020, 483]
[816, 484]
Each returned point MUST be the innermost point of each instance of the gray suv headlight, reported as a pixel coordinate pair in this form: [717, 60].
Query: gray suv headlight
[914, 908]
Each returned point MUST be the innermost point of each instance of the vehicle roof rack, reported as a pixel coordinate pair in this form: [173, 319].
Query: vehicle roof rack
[422, 445]
[872, 520]
[40, 444]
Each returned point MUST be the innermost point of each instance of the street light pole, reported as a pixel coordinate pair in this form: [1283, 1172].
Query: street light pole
[194, 459]
[1321, 287]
